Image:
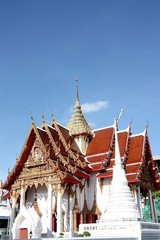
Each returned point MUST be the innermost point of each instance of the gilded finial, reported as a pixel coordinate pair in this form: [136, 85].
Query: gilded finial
[31, 117]
[43, 117]
[52, 118]
[77, 97]
[53, 121]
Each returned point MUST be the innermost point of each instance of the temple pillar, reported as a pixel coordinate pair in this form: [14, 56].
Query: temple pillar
[139, 201]
[155, 212]
[13, 211]
[59, 211]
[71, 216]
[151, 206]
[22, 197]
[135, 196]
[66, 217]
[50, 207]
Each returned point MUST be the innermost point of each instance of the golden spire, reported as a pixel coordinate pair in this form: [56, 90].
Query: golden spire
[77, 124]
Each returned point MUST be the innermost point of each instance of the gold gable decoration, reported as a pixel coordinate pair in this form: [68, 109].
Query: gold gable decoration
[36, 156]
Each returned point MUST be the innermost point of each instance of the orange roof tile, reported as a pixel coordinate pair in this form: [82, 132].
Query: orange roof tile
[101, 141]
[135, 148]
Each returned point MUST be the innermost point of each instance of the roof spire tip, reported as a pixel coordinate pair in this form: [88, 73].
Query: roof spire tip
[43, 117]
[52, 116]
[77, 96]
[31, 117]
[130, 123]
[119, 116]
[147, 126]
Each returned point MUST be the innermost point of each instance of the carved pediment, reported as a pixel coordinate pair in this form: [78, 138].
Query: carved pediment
[36, 166]
[36, 156]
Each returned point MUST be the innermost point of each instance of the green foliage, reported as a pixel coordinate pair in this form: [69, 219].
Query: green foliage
[86, 234]
[157, 194]
[61, 235]
[80, 235]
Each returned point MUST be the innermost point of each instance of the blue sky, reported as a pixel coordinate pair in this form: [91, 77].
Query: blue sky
[111, 46]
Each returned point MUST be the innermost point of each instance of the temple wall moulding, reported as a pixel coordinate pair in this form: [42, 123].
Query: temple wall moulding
[30, 182]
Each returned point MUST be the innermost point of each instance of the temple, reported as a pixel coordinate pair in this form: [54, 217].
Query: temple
[62, 177]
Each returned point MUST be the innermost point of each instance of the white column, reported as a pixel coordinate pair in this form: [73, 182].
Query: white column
[135, 196]
[66, 216]
[13, 211]
[139, 201]
[71, 216]
[154, 205]
[151, 206]
[22, 199]
[50, 207]
[59, 212]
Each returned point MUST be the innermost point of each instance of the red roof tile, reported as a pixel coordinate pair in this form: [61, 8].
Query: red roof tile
[135, 148]
[101, 141]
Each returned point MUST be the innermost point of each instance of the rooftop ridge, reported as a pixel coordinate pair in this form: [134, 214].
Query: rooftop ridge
[102, 128]
[138, 134]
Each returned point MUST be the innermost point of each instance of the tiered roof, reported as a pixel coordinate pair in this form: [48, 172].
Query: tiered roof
[134, 151]
[60, 149]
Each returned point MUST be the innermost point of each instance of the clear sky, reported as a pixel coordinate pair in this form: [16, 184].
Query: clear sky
[111, 46]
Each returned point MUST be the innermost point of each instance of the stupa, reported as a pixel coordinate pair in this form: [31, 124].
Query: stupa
[122, 217]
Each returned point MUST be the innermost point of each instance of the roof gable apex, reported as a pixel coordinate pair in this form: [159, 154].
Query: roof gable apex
[21, 160]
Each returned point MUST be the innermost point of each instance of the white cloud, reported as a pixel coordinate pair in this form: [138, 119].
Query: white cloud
[94, 107]
[91, 124]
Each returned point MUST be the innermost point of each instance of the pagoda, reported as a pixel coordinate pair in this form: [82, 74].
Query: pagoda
[78, 126]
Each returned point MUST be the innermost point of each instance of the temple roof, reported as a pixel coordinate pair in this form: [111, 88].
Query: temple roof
[134, 151]
[59, 147]
[70, 165]
[77, 124]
